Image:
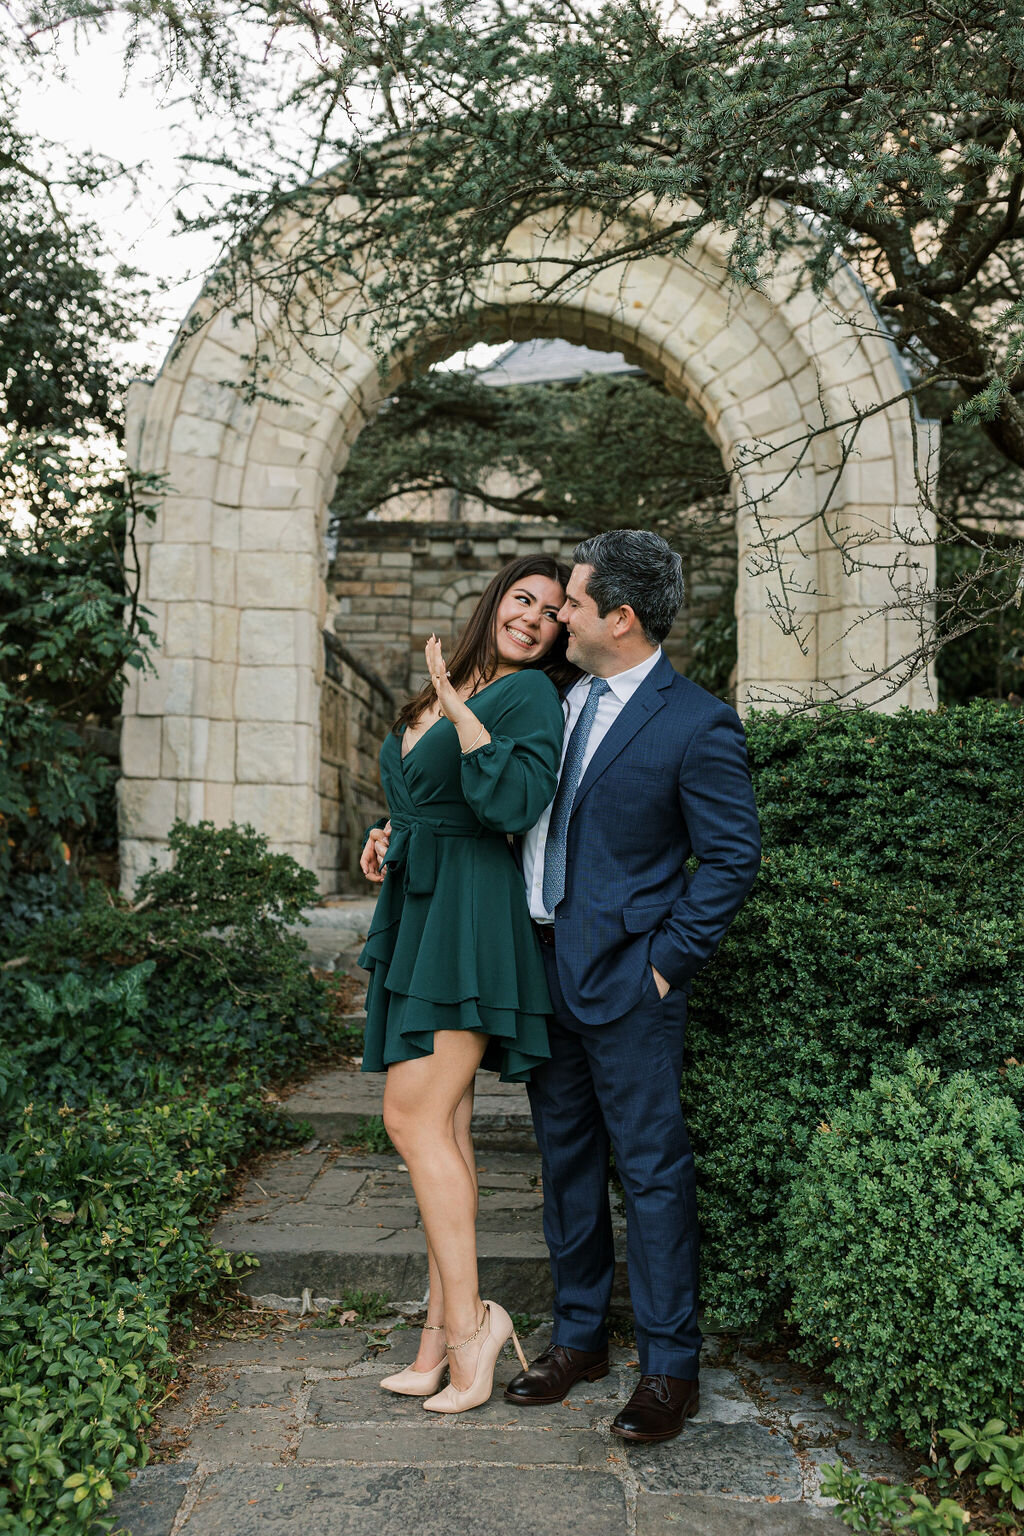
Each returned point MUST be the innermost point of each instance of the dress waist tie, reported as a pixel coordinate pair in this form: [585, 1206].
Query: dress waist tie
[413, 847]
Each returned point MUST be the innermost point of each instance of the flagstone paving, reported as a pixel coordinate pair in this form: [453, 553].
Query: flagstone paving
[286, 1432]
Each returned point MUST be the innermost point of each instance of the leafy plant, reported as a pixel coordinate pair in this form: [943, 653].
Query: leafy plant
[906, 1256]
[1001, 1454]
[866, 1505]
[371, 1135]
[70, 618]
[362, 1308]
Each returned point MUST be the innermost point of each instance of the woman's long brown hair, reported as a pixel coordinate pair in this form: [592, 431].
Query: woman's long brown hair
[476, 650]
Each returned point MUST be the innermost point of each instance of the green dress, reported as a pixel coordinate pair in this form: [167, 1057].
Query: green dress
[451, 945]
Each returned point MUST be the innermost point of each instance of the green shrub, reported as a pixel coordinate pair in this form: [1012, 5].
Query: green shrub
[886, 916]
[218, 978]
[865, 1504]
[101, 1213]
[905, 1248]
[133, 1044]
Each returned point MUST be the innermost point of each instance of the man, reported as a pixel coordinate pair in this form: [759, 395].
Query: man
[654, 769]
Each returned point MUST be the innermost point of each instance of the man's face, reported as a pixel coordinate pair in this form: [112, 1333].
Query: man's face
[589, 642]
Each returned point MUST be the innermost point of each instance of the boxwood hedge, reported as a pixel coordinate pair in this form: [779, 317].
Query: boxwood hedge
[887, 915]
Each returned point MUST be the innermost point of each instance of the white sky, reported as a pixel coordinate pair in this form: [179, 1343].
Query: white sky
[133, 120]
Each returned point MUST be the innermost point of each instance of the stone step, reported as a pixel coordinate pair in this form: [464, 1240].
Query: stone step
[335, 930]
[335, 1102]
[328, 1222]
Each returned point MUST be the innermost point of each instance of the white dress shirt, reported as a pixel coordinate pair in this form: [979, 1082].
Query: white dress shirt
[621, 689]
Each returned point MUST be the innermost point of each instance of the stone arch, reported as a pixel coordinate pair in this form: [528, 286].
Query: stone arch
[232, 567]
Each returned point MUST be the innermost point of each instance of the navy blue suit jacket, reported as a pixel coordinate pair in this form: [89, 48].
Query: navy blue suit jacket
[670, 779]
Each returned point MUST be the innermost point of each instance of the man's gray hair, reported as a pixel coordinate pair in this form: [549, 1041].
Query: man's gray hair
[636, 567]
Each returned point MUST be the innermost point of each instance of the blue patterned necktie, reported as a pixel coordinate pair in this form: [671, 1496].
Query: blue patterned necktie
[558, 827]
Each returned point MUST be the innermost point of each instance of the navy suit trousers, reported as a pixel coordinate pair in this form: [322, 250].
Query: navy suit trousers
[617, 1085]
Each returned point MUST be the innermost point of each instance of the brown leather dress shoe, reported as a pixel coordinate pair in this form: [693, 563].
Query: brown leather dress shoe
[658, 1408]
[551, 1375]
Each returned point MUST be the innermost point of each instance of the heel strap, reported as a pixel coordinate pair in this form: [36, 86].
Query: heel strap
[473, 1336]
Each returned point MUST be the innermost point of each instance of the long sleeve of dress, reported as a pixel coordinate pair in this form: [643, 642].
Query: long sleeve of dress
[509, 781]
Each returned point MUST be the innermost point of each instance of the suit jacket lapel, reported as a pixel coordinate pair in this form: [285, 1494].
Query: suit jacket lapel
[645, 702]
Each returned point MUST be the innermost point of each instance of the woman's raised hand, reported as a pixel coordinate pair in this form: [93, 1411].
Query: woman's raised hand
[450, 704]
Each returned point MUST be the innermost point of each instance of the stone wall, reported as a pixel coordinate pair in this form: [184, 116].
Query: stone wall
[356, 712]
[392, 583]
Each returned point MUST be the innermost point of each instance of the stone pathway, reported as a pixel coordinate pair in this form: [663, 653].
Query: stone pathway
[286, 1432]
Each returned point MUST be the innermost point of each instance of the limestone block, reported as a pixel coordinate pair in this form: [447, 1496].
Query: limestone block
[170, 690]
[263, 528]
[189, 800]
[307, 697]
[188, 630]
[738, 342]
[223, 576]
[185, 746]
[272, 485]
[833, 345]
[187, 520]
[197, 435]
[868, 483]
[771, 653]
[174, 572]
[771, 410]
[865, 646]
[266, 636]
[150, 530]
[221, 705]
[219, 764]
[759, 368]
[218, 803]
[225, 526]
[176, 740]
[145, 807]
[190, 475]
[266, 693]
[283, 812]
[201, 686]
[266, 580]
[140, 747]
[233, 330]
[216, 360]
[208, 399]
[227, 485]
[137, 856]
[272, 753]
[278, 637]
[224, 634]
[235, 448]
[270, 444]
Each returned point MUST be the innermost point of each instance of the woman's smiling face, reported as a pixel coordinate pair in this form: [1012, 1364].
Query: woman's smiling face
[526, 623]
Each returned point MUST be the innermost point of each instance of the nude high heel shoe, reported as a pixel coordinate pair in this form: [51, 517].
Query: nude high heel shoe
[497, 1329]
[410, 1383]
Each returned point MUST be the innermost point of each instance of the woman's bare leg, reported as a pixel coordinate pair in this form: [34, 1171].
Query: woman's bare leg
[432, 1350]
[422, 1099]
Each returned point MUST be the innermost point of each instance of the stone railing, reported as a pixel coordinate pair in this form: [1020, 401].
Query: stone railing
[356, 712]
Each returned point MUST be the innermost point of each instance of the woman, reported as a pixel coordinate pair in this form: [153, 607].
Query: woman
[456, 977]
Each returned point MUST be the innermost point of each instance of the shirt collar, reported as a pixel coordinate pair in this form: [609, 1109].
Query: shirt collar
[624, 684]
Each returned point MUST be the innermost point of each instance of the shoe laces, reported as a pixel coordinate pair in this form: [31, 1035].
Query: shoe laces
[658, 1385]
